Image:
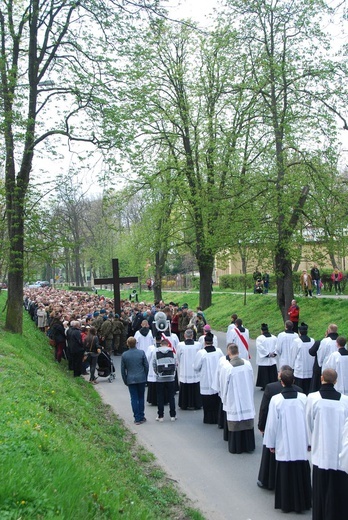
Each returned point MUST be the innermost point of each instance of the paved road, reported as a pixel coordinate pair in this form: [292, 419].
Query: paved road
[222, 485]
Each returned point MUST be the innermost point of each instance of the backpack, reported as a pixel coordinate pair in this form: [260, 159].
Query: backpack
[165, 363]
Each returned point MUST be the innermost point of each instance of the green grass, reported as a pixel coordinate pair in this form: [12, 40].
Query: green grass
[262, 308]
[63, 453]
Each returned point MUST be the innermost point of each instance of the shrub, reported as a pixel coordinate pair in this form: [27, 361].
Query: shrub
[84, 289]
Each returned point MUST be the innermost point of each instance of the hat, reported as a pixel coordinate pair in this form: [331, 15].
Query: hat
[303, 328]
[102, 311]
[185, 305]
[95, 314]
[117, 315]
[207, 327]
[264, 326]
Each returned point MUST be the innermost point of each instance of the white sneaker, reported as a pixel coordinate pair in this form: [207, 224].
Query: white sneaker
[159, 419]
[173, 419]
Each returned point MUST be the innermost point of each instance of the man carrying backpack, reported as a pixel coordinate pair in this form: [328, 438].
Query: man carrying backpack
[164, 366]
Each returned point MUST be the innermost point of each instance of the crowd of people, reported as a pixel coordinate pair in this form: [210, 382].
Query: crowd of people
[170, 348]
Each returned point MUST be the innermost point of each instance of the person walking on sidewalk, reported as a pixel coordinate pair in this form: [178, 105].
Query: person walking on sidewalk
[134, 370]
[164, 366]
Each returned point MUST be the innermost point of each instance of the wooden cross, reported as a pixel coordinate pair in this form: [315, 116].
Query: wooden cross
[116, 280]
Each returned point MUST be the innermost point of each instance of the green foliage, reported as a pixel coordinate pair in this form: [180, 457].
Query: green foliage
[63, 453]
[236, 282]
[85, 289]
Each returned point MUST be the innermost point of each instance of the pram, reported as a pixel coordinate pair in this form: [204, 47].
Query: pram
[105, 366]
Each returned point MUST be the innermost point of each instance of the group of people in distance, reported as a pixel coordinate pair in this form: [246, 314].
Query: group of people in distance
[312, 280]
[172, 349]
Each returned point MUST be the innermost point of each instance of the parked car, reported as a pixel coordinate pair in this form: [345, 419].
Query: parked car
[38, 284]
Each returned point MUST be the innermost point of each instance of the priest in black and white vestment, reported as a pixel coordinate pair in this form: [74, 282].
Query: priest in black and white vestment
[286, 434]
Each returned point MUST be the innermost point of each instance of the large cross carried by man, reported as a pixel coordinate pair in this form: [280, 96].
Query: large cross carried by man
[116, 280]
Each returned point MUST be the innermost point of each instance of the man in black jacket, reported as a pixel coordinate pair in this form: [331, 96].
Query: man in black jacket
[75, 347]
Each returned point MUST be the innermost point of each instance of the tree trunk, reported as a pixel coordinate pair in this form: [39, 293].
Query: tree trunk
[157, 285]
[14, 314]
[206, 267]
[333, 260]
[285, 290]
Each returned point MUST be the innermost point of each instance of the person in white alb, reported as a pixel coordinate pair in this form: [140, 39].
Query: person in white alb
[205, 364]
[327, 345]
[239, 336]
[284, 346]
[327, 413]
[302, 361]
[286, 435]
[238, 401]
[266, 357]
[338, 360]
[189, 395]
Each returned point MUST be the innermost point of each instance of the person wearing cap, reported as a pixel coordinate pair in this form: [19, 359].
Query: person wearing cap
[266, 357]
[206, 364]
[97, 321]
[206, 329]
[327, 412]
[302, 362]
[286, 436]
[189, 394]
[106, 332]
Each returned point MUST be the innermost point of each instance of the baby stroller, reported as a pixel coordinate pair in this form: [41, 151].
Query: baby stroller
[105, 367]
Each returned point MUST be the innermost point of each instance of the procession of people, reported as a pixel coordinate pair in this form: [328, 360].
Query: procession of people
[305, 384]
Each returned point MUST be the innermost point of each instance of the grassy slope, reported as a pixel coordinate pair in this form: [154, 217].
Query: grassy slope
[261, 308]
[63, 453]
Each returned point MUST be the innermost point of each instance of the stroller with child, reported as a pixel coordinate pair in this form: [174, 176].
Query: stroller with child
[105, 366]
